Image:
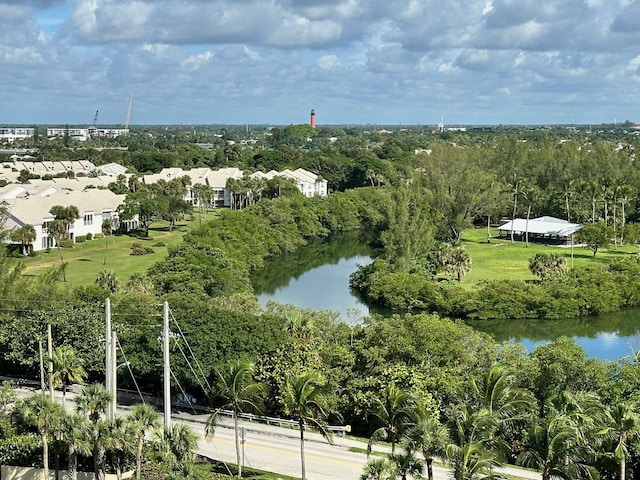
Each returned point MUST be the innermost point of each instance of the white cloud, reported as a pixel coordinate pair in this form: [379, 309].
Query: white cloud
[260, 60]
[328, 62]
[20, 56]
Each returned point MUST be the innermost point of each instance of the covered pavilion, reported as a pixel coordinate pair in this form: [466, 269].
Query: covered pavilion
[548, 229]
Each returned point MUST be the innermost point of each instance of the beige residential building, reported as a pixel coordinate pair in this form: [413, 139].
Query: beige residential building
[94, 207]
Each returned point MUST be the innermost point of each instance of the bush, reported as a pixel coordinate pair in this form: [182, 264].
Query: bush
[21, 451]
[137, 250]
[66, 243]
[98, 235]
[81, 238]
[159, 243]
[89, 236]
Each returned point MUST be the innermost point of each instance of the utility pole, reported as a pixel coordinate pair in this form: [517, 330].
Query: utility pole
[50, 353]
[108, 362]
[167, 366]
[42, 383]
[114, 375]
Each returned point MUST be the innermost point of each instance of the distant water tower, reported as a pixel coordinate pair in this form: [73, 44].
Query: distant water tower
[313, 118]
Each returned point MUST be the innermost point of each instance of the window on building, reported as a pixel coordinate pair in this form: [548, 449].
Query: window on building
[88, 218]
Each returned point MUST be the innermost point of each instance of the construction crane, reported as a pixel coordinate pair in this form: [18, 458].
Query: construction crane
[126, 122]
[95, 119]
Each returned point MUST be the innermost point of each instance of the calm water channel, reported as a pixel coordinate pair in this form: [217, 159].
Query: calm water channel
[317, 277]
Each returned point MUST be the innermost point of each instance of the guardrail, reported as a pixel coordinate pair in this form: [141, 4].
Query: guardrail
[340, 429]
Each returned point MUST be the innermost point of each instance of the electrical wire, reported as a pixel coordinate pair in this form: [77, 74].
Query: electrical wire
[126, 362]
[195, 359]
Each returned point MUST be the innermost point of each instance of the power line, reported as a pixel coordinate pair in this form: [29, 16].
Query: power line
[133, 377]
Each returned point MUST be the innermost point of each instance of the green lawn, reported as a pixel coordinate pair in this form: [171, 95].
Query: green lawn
[501, 259]
[497, 260]
[85, 260]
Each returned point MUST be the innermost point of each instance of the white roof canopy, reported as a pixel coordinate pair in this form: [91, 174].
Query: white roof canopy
[550, 226]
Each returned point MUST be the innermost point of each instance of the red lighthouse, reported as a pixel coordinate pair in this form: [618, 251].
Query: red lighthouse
[313, 119]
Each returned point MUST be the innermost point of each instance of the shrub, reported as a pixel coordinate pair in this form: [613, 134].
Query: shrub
[21, 450]
[81, 238]
[66, 243]
[108, 280]
[137, 250]
[159, 243]
[98, 235]
[89, 236]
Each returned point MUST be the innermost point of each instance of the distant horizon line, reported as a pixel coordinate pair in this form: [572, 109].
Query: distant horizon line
[348, 125]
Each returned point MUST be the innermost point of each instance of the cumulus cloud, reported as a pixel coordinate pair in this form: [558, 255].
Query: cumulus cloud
[353, 60]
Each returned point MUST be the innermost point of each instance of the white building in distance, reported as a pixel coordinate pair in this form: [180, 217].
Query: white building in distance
[10, 134]
[94, 207]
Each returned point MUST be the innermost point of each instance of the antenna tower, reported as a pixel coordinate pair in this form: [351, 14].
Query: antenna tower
[128, 119]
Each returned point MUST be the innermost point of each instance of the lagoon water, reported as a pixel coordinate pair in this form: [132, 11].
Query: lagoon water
[323, 288]
[317, 277]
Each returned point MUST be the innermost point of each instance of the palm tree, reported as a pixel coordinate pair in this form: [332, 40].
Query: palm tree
[26, 235]
[176, 445]
[57, 230]
[554, 447]
[306, 398]
[471, 461]
[624, 429]
[547, 265]
[238, 391]
[406, 464]
[471, 455]
[93, 401]
[76, 434]
[108, 280]
[459, 262]
[118, 440]
[501, 399]
[67, 369]
[300, 326]
[45, 415]
[203, 194]
[395, 411]
[379, 469]
[100, 435]
[143, 417]
[429, 437]
[67, 215]
[517, 188]
[107, 229]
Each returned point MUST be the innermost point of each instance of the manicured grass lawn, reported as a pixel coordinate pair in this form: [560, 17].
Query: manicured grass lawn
[497, 260]
[501, 259]
[85, 260]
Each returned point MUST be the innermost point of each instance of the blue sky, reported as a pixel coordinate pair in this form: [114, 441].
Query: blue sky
[354, 61]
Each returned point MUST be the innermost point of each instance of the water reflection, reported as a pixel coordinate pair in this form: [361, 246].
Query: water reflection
[316, 276]
[608, 337]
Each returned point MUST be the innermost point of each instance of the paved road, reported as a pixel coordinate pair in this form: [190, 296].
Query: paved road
[277, 449]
